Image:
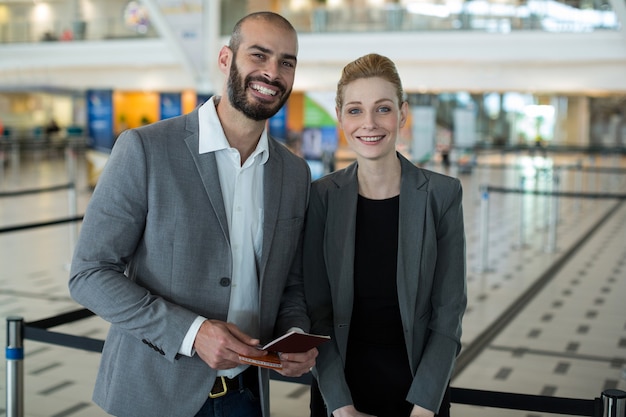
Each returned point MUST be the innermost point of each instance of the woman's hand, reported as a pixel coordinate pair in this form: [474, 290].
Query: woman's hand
[297, 364]
[421, 412]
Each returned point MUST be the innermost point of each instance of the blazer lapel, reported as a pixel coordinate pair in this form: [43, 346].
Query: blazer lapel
[410, 240]
[339, 244]
[272, 190]
[207, 169]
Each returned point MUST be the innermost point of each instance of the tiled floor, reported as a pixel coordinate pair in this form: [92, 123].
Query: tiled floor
[567, 339]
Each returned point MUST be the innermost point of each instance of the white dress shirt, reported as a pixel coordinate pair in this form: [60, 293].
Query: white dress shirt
[242, 189]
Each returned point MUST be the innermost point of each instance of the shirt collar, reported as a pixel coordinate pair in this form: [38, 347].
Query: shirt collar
[212, 137]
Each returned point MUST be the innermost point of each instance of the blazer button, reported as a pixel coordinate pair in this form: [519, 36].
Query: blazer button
[225, 282]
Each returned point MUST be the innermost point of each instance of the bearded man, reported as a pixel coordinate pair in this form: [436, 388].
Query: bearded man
[191, 244]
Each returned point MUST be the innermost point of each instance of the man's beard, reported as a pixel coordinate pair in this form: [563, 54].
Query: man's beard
[237, 95]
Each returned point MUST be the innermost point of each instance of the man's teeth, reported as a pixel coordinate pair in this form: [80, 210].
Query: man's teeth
[371, 138]
[264, 90]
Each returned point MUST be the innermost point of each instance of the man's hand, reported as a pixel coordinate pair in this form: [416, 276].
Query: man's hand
[297, 364]
[349, 411]
[219, 344]
[421, 412]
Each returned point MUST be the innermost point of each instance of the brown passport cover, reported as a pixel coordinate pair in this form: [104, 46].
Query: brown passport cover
[292, 342]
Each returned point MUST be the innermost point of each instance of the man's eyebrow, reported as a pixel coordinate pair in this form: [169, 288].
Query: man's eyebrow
[269, 52]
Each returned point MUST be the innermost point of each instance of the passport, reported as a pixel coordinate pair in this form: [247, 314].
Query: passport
[291, 342]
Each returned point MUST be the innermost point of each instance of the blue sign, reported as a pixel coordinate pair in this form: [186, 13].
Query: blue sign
[171, 105]
[100, 119]
[330, 141]
[278, 125]
[202, 97]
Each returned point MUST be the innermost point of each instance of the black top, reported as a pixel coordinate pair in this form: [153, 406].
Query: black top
[377, 366]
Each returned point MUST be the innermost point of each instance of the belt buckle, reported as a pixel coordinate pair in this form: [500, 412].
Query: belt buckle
[220, 393]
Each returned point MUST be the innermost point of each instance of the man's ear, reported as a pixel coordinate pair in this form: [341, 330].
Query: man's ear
[224, 59]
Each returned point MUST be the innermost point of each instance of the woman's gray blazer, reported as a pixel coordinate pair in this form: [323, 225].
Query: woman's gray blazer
[431, 277]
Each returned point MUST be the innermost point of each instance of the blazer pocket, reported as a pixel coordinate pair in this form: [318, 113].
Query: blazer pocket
[287, 225]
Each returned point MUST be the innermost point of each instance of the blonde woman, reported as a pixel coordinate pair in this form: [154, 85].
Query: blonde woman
[384, 263]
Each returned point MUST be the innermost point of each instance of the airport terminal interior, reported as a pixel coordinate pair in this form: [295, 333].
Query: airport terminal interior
[524, 101]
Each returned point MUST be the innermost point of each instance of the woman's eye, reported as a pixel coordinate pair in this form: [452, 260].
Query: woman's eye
[353, 111]
[384, 109]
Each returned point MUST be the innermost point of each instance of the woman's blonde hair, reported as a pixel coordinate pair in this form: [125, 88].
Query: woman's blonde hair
[369, 66]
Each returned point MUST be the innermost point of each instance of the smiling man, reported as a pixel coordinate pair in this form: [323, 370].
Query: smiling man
[191, 244]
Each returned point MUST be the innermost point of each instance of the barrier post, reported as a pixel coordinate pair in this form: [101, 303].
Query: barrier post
[613, 403]
[554, 215]
[70, 162]
[579, 184]
[15, 159]
[15, 367]
[484, 228]
[522, 215]
[2, 161]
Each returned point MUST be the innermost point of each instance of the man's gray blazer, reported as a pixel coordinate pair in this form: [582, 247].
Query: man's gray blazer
[430, 277]
[154, 253]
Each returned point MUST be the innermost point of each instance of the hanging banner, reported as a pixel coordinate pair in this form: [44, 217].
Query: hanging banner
[320, 124]
[319, 136]
[277, 125]
[171, 105]
[100, 134]
[319, 109]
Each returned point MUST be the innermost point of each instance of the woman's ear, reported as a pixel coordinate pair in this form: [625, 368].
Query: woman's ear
[404, 113]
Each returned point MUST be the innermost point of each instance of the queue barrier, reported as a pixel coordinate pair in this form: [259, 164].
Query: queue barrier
[611, 403]
[553, 215]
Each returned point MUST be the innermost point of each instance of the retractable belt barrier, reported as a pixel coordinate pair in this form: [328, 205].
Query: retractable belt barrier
[611, 403]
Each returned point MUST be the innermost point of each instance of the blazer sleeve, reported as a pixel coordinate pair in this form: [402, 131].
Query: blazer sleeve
[329, 369]
[101, 276]
[448, 298]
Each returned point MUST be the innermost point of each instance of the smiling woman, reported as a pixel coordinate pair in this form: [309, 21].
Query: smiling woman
[399, 228]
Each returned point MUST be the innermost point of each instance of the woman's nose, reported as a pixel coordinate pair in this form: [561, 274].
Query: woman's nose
[369, 121]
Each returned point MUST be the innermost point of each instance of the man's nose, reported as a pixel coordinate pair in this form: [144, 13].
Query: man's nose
[271, 69]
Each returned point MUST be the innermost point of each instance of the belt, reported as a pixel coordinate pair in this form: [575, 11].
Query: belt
[247, 379]
[223, 384]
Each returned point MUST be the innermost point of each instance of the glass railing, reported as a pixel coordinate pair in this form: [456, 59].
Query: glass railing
[475, 15]
[64, 30]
